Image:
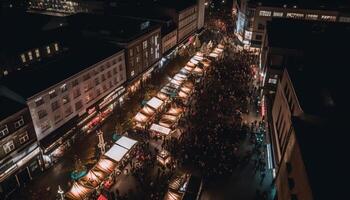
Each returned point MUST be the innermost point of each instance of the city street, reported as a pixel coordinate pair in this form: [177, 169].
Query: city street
[220, 142]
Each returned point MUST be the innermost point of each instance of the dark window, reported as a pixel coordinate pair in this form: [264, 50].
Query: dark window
[109, 74]
[258, 37]
[115, 71]
[289, 167]
[68, 111]
[102, 68]
[293, 197]
[39, 102]
[291, 183]
[53, 94]
[55, 105]
[42, 114]
[86, 77]
[119, 58]
[103, 77]
[76, 93]
[65, 99]
[75, 82]
[78, 105]
[19, 123]
[97, 81]
[4, 131]
[261, 27]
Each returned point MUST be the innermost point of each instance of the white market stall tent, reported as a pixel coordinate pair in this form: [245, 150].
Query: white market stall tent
[116, 153]
[78, 191]
[126, 142]
[160, 129]
[155, 103]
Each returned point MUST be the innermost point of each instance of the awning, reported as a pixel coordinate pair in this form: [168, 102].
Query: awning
[106, 165]
[93, 178]
[147, 111]
[183, 95]
[160, 129]
[175, 82]
[126, 142]
[185, 89]
[194, 61]
[198, 58]
[116, 153]
[190, 64]
[155, 103]
[199, 54]
[78, 191]
[162, 96]
[188, 68]
[213, 55]
[174, 111]
[169, 117]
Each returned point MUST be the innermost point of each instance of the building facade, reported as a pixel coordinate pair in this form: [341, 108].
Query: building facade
[169, 41]
[73, 100]
[187, 22]
[201, 13]
[19, 153]
[252, 17]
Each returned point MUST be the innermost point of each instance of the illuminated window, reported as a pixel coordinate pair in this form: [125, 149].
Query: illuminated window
[39, 102]
[23, 137]
[137, 59]
[9, 146]
[311, 16]
[132, 73]
[295, 15]
[344, 19]
[131, 52]
[19, 123]
[23, 57]
[329, 18]
[56, 46]
[4, 131]
[30, 55]
[265, 13]
[248, 35]
[52, 94]
[37, 53]
[272, 80]
[48, 50]
[278, 14]
[144, 44]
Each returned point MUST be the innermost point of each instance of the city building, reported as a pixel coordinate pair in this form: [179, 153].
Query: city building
[68, 7]
[185, 16]
[18, 52]
[141, 40]
[168, 26]
[19, 153]
[252, 15]
[71, 93]
[306, 100]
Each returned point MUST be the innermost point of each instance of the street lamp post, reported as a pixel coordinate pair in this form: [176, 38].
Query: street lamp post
[60, 192]
[101, 142]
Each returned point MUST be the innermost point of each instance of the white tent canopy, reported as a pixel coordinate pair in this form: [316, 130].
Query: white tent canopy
[116, 152]
[155, 103]
[126, 142]
[160, 129]
[198, 58]
[214, 55]
[141, 117]
[194, 61]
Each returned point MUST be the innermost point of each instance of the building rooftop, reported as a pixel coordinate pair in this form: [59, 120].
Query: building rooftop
[9, 106]
[111, 27]
[32, 80]
[151, 14]
[336, 5]
[178, 5]
[323, 148]
[26, 31]
[316, 72]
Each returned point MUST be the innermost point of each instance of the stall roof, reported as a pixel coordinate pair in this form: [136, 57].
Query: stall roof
[175, 82]
[106, 165]
[198, 58]
[126, 142]
[147, 110]
[116, 152]
[184, 71]
[169, 117]
[78, 191]
[160, 129]
[183, 95]
[162, 96]
[194, 61]
[155, 103]
[188, 68]
[93, 178]
[190, 64]
[140, 117]
[185, 89]
[198, 70]
[174, 111]
[199, 54]
[213, 55]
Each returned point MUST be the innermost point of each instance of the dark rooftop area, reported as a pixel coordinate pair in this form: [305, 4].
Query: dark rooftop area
[9, 107]
[323, 145]
[114, 28]
[316, 73]
[35, 79]
[26, 31]
[178, 5]
[336, 5]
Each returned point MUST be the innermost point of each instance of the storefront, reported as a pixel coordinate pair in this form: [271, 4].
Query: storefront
[20, 170]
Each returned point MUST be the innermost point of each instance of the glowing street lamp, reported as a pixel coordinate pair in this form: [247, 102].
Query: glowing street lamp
[60, 192]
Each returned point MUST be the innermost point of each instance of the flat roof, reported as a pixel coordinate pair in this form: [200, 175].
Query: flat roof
[111, 27]
[126, 142]
[116, 152]
[323, 148]
[32, 80]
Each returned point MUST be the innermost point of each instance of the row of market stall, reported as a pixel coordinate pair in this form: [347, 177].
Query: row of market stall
[102, 174]
[179, 87]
